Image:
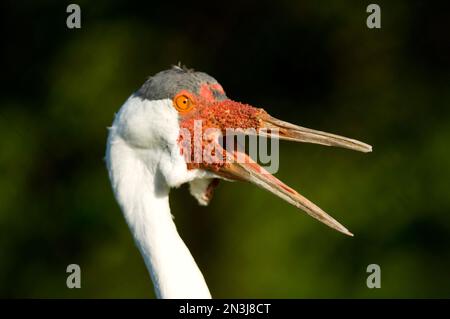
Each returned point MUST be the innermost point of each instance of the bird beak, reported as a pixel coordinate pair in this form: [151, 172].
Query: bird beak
[295, 133]
[252, 172]
[239, 166]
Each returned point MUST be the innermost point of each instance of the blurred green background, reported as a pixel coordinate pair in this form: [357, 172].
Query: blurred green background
[309, 62]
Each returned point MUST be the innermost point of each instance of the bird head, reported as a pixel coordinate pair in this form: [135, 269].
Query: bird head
[182, 119]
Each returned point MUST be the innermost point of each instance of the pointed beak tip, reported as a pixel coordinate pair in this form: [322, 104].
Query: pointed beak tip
[362, 147]
[344, 231]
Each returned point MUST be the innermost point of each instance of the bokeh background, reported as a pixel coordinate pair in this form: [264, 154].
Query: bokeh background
[312, 63]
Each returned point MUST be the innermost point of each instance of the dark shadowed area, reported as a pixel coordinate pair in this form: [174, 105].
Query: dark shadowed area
[312, 63]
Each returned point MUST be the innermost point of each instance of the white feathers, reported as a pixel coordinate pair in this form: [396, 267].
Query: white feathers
[147, 124]
[199, 189]
[144, 161]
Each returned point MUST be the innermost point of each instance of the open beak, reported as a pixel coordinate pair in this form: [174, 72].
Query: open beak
[250, 171]
[235, 114]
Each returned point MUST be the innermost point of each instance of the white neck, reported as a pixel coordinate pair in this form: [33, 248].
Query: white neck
[143, 196]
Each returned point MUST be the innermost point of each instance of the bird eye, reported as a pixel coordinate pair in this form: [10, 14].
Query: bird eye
[183, 103]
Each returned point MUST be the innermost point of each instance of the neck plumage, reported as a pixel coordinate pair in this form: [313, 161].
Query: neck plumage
[143, 196]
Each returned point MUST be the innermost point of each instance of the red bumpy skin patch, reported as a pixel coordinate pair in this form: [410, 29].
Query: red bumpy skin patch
[221, 115]
[207, 91]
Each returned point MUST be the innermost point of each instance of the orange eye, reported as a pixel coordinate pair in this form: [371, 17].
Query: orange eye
[183, 103]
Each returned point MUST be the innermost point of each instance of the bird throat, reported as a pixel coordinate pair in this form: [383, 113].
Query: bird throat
[144, 199]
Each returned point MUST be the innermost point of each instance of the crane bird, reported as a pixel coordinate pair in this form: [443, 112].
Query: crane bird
[145, 159]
